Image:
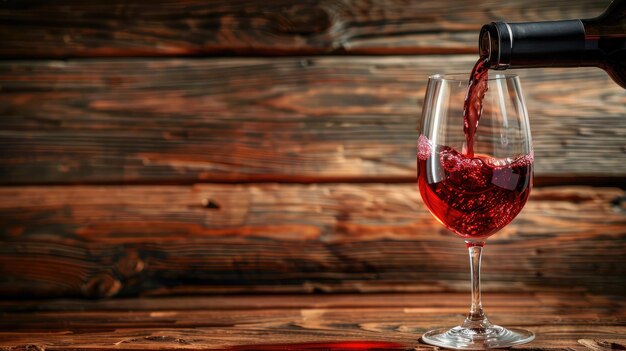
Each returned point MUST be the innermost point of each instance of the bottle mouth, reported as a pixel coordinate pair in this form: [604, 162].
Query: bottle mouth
[484, 41]
[491, 47]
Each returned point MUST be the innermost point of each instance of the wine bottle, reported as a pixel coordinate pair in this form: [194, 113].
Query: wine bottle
[599, 41]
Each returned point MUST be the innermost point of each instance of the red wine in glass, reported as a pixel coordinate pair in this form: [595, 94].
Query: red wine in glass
[476, 196]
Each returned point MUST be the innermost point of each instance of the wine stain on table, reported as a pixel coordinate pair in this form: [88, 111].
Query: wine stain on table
[325, 346]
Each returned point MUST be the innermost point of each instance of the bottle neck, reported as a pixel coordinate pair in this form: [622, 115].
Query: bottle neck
[538, 44]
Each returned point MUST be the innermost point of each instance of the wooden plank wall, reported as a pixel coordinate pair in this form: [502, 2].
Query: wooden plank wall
[243, 146]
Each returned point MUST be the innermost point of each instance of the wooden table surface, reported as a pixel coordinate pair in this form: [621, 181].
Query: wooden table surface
[562, 321]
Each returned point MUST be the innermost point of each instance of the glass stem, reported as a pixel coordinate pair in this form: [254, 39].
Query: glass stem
[476, 318]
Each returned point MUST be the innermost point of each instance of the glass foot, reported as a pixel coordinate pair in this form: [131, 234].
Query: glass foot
[493, 337]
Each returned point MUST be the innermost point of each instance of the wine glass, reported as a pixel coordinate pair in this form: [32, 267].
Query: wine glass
[475, 193]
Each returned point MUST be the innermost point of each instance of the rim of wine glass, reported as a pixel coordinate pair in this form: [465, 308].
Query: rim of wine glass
[464, 77]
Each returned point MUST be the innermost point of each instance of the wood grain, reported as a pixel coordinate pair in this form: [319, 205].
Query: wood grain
[562, 321]
[287, 119]
[71, 28]
[303, 301]
[98, 241]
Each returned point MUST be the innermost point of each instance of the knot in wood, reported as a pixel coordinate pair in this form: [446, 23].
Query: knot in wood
[166, 339]
[130, 264]
[601, 345]
[210, 204]
[619, 204]
[102, 285]
[27, 347]
[304, 20]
